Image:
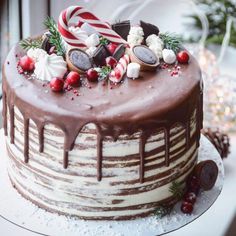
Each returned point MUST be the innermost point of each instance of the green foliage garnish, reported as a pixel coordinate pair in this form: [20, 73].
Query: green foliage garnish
[171, 41]
[177, 190]
[104, 41]
[163, 210]
[217, 13]
[31, 43]
[55, 37]
[105, 71]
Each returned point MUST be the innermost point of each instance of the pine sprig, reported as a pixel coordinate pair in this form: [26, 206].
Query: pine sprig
[31, 43]
[104, 41]
[55, 37]
[163, 210]
[177, 190]
[171, 41]
[105, 71]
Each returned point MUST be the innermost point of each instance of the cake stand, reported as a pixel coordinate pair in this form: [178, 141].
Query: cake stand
[23, 213]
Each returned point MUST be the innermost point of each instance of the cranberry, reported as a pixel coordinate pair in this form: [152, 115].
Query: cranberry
[26, 63]
[187, 207]
[92, 75]
[56, 84]
[73, 79]
[190, 197]
[111, 61]
[111, 47]
[183, 57]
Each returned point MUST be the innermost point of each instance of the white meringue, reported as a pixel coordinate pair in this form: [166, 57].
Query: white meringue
[157, 50]
[169, 56]
[133, 70]
[135, 36]
[92, 40]
[90, 51]
[36, 53]
[153, 39]
[78, 32]
[49, 67]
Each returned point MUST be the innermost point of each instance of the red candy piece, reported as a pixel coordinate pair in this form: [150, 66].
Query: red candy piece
[187, 207]
[26, 63]
[183, 57]
[73, 79]
[190, 197]
[92, 75]
[112, 47]
[56, 84]
[111, 61]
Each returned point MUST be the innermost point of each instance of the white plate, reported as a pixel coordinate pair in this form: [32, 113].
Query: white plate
[23, 213]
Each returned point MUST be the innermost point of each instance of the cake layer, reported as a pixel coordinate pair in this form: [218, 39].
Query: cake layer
[76, 191]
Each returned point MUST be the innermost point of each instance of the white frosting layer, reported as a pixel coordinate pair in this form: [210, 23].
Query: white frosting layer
[76, 190]
[36, 54]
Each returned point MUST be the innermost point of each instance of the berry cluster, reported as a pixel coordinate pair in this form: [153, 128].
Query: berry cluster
[190, 197]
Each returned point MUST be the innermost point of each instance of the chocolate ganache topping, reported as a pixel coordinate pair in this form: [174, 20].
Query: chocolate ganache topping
[156, 100]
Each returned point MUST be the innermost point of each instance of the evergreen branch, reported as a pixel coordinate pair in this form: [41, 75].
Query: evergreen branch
[171, 41]
[104, 41]
[163, 210]
[31, 43]
[177, 190]
[55, 37]
[105, 71]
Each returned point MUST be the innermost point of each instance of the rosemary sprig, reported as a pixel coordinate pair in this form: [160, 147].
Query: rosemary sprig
[163, 210]
[31, 43]
[177, 190]
[55, 37]
[105, 71]
[171, 41]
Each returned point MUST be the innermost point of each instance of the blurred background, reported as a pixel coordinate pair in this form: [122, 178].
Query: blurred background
[207, 27]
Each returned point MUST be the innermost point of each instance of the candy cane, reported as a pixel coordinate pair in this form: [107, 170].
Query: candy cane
[85, 16]
[118, 72]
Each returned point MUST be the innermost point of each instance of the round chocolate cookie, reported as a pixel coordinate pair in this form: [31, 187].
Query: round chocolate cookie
[145, 54]
[78, 60]
[206, 172]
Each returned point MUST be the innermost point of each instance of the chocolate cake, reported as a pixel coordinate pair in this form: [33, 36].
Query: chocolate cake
[102, 150]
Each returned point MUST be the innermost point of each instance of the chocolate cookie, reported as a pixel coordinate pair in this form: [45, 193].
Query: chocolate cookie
[206, 172]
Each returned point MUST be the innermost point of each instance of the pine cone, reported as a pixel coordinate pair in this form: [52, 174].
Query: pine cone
[219, 139]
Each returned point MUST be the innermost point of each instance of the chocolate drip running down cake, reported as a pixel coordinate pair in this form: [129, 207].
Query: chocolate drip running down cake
[108, 142]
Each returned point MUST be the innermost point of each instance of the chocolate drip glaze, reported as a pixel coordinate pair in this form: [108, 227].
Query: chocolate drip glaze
[41, 137]
[12, 131]
[167, 146]
[158, 101]
[26, 139]
[99, 154]
[4, 112]
[142, 143]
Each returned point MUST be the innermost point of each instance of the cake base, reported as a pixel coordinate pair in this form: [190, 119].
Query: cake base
[23, 213]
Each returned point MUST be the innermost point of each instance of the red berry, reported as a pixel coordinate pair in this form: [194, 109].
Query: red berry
[26, 63]
[92, 75]
[112, 47]
[56, 84]
[190, 197]
[193, 184]
[73, 79]
[111, 61]
[187, 207]
[183, 57]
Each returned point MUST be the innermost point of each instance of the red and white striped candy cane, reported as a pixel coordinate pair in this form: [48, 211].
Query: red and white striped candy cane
[118, 72]
[85, 16]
